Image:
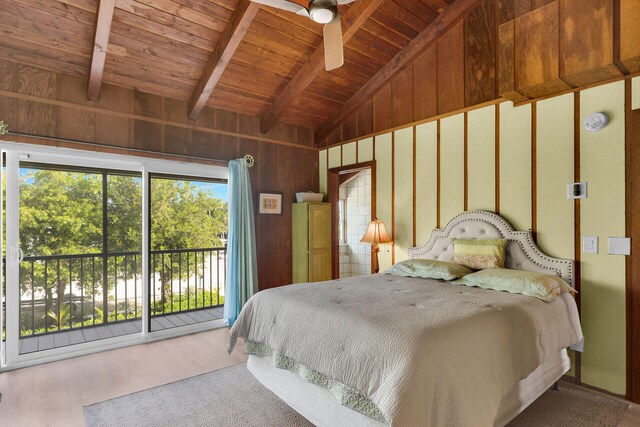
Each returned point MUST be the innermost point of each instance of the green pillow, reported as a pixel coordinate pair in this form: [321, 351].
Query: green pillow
[479, 253]
[428, 269]
[541, 286]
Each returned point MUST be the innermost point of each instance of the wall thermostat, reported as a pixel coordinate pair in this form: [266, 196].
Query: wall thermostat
[596, 121]
[577, 190]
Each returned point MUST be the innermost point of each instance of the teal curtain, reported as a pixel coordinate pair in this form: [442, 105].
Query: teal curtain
[242, 269]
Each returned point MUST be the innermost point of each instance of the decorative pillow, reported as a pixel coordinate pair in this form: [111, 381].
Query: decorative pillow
[428, 269]
[479, 253]
[541, 286]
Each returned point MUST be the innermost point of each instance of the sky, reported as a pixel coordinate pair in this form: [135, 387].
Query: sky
[219, 190]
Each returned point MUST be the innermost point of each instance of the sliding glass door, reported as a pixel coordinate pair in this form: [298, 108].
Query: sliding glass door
[75, 261]
[104, 251]
[188, 231]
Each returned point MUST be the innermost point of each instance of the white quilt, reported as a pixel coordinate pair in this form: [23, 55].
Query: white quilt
[420, 352]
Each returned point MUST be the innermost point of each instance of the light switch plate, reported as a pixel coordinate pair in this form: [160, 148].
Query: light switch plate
[577, 190]
[619, 246]
[590, 244]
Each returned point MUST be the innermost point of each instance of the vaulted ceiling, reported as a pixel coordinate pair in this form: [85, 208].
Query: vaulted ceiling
[230, 54]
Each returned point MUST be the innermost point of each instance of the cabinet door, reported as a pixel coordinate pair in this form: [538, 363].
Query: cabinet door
[300, 243]
[319, 242]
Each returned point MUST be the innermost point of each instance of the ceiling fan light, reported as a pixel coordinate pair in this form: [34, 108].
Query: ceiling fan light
[321, 15]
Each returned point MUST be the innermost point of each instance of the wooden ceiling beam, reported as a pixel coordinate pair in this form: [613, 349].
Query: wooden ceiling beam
[352, 20]
[231, 37]
[446, 20]
[100, 44]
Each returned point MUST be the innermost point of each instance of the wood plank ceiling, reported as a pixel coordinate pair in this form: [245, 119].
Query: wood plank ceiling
[163, 47]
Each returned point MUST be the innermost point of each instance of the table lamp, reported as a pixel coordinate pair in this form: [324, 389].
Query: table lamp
[376, 233]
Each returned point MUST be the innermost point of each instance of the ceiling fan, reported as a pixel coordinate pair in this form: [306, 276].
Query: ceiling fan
[323, 12]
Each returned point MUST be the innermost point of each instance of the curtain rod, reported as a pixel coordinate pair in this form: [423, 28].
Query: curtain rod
[248, 157]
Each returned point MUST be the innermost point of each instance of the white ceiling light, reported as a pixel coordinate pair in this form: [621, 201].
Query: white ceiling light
[323, 12]
[321, 15]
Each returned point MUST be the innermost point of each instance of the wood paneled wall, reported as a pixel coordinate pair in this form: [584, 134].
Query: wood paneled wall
[513, 49]
[458, 71]
[46, 104]
[517, 161]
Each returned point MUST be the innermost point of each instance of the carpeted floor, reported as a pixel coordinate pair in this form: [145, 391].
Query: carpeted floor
[571, 406]
[233, 397]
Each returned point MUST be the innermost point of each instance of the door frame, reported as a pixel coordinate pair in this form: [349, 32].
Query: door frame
[632, 267]
[333, 180]
[12, 267]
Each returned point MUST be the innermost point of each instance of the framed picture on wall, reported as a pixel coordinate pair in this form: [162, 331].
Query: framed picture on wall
[270, 203]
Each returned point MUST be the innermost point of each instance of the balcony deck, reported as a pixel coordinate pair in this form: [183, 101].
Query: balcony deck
[50, 341]
[68, 292]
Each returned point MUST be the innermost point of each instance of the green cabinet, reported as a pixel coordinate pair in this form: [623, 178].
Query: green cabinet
[311, 242]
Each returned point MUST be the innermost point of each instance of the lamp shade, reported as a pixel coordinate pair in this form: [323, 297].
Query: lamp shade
[376, 233]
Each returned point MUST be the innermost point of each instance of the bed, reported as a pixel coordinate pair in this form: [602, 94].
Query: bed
[384, 350]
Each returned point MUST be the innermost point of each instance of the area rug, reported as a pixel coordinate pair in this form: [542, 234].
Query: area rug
[226, 397]
[233, 397]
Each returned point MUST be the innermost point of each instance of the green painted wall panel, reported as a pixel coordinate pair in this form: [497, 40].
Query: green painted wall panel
[403, 193]
[335, 160]
[602, 214]
[349, 154]
[451, 167]
[481, 137]
[554, 165]
[383, 192]
[515, 164]
[426, 181]
[365, 150]
[322, 168]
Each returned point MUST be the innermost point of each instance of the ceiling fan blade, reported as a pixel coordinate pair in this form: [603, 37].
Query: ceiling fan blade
[303, 12]
[333, 51]
[291, 6]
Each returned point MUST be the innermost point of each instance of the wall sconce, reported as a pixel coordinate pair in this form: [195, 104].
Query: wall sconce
[376, 233]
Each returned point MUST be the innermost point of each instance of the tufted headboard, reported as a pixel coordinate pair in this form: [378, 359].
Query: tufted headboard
[521, 252]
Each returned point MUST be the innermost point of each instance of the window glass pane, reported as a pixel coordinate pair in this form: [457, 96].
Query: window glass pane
[188, 214]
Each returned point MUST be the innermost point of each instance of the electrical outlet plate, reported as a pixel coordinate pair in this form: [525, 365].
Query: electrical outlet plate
[619, 246]
[577, 190]
[590, 244]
